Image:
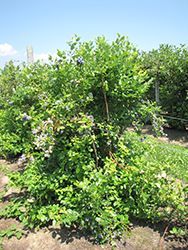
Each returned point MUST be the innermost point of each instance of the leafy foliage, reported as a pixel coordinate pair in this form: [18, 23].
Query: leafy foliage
[65, 121]
[168, 64]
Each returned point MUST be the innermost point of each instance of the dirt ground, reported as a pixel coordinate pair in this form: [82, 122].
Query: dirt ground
[143, 236]
[173, 136]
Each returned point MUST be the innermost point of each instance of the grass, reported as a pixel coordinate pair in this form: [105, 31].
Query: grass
[161, 153]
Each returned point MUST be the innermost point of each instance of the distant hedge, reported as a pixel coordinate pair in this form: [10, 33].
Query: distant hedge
[169, 64]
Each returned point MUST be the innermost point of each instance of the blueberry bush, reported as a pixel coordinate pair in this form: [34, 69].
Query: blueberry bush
[65, 122]
[168, 64]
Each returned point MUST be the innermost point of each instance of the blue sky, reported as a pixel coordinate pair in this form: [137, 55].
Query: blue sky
[49, 25]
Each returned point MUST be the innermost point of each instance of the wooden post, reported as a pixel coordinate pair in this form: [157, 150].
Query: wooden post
[157, 89]
[30, 59]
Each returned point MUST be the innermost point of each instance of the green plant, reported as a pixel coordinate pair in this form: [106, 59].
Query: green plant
[168, 65]
[10, 232]
[177, 231]
[66, 126]
[173, 162]
[170, 156]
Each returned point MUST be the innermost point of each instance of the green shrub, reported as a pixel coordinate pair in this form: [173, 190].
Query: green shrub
[169, 65]
[65, 122]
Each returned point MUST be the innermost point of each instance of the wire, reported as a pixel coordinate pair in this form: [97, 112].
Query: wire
[172, 117]
[141, 140]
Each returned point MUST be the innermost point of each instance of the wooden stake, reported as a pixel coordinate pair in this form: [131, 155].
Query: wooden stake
[30, 59]
[157, 89]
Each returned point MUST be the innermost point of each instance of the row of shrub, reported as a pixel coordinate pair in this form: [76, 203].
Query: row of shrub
[169, 65]
[65, 122]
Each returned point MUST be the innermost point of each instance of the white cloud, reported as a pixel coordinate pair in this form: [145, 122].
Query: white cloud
[7, 49]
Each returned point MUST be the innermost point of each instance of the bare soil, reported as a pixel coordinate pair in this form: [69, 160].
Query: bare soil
[143, 236]
[173, 136]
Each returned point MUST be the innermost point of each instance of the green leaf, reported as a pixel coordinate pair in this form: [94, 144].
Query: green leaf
[31, 225]
[78, 169]
[43, 217]
[181, 232]
[98, 219]
[4, 232]
[21, 217]
[9, 233]
[54, 223]
[174, 230]
[13, 227]
[113, 214]
[18, 234]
